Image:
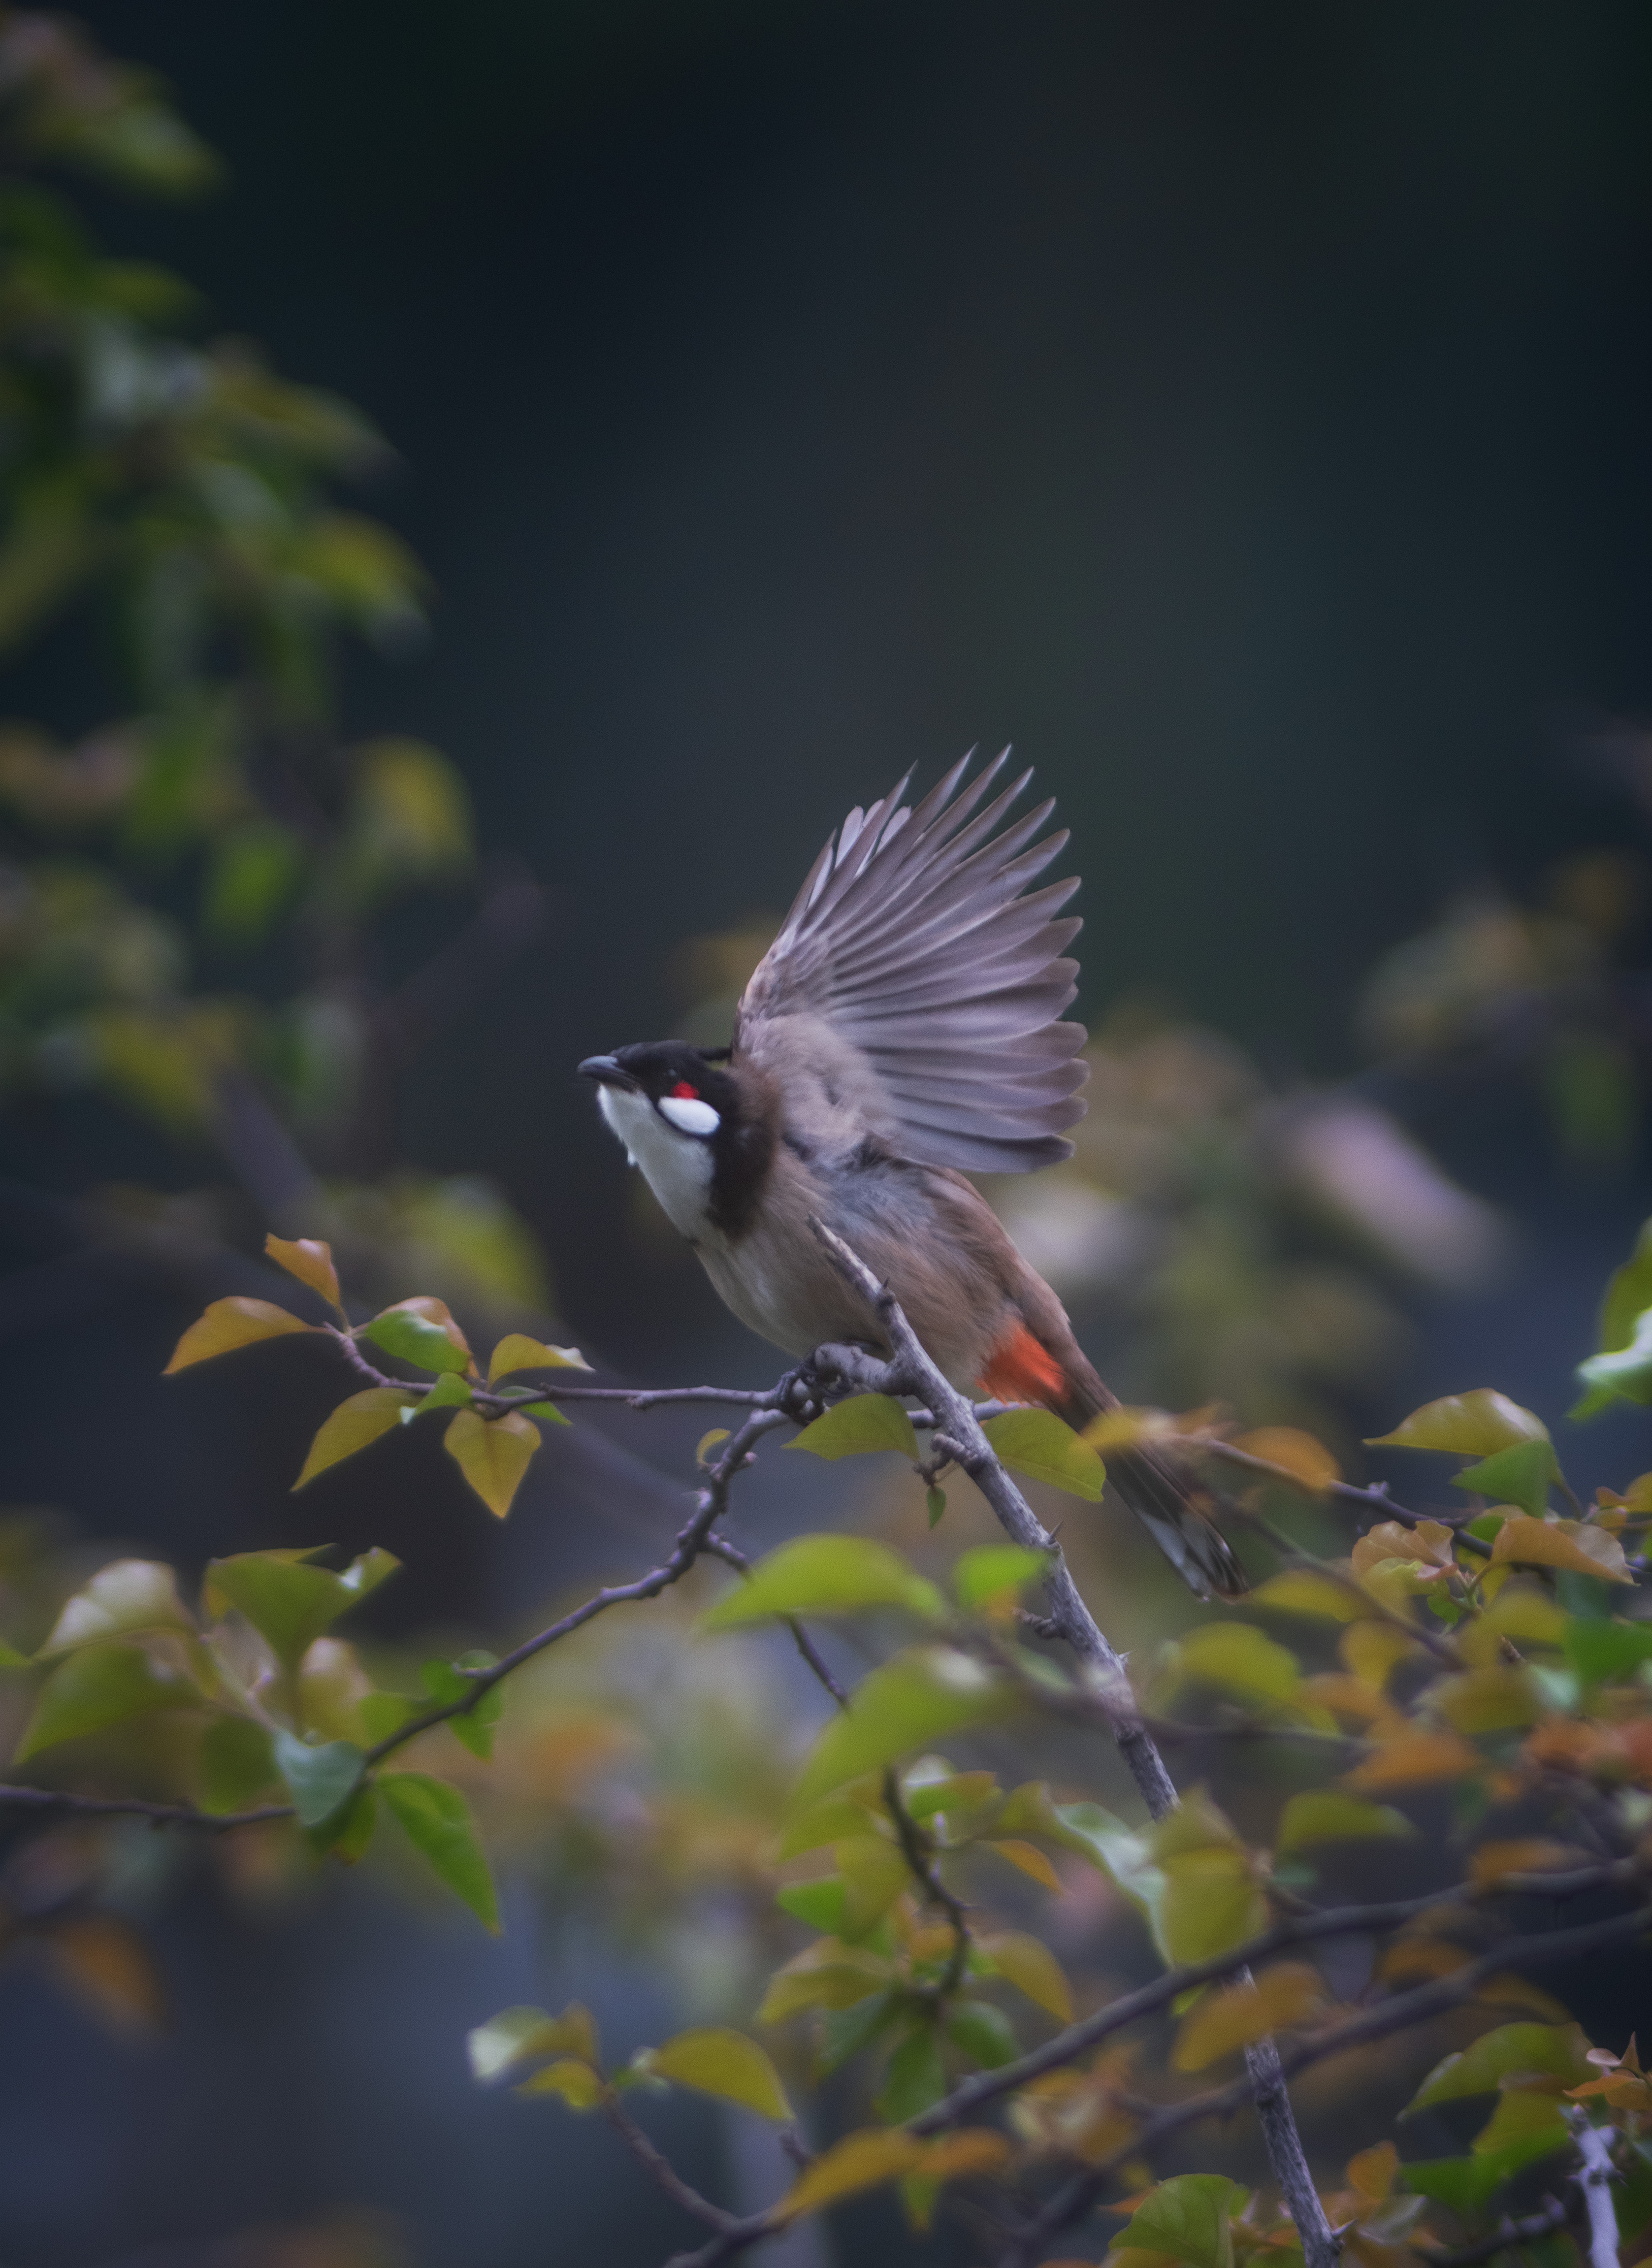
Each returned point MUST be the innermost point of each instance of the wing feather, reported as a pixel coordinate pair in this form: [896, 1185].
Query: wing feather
[916, 986]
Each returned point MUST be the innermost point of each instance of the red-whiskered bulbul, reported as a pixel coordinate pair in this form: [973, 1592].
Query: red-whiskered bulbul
[902, 1030]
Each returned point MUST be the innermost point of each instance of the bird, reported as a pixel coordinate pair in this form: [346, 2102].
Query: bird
[904, 1031]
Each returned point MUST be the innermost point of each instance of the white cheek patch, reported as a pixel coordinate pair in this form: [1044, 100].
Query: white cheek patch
[690, 1118]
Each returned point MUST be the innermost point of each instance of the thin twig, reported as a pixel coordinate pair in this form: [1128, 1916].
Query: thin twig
[159, 1815]
[660, 2169]
[1072, 2204]
[1593, 2147]
[914, 1371]
[1555, 2214]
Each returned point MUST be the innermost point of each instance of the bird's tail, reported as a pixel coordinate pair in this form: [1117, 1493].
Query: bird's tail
[1177, 1512]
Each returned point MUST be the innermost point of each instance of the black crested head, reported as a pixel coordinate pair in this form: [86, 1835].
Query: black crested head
[668, 1069]
[706, 1098]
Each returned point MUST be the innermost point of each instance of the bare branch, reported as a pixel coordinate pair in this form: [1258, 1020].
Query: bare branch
[1593, 2147]
[914, 1371]
[660, 2170]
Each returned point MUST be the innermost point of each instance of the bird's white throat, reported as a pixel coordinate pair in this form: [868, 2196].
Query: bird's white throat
[676, 1166]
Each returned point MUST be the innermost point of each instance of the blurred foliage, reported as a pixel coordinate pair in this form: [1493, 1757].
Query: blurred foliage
[189, 890]
[1460, 1703]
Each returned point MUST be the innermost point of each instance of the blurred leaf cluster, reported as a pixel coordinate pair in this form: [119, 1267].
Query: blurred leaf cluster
[191, 886]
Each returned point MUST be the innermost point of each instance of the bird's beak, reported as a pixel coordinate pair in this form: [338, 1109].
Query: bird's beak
[606, 1071]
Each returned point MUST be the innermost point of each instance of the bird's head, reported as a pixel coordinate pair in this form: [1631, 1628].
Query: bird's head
[680, 1089]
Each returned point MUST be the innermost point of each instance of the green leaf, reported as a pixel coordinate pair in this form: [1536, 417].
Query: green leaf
[320, 1779]
[413, 1338]
[1624, 1375]
[1037, 1443]
[445, 1680]
[228, 1324]
[714, 2060]
[853, 1428]
[993, 1569]
[827, 1574]
[355, 1425]
[1187, 2218]
[984, 2033]
[1474, 1424]
[493, 1454]
[844, 2032]
[1463, 2184]
[916, 2076]
[237, 1763]
[122, 1599]
[288, 1602]
[919, 1696]
[1556, 2050]
[1519, 1474]
[546, 1411]
[1628, 1295]
[1602, 1650]
[935, 1501]
[98, 1686]
[1326, 1816]
[1241, 1658]
[1523, 2128]
[436, 1820]
[345, 1834]
[450, 1392]
[818, 1904]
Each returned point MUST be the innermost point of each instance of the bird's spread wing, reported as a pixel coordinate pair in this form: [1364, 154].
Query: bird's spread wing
[913, 991]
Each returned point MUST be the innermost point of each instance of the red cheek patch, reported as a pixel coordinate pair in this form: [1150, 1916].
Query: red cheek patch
[683, 1093]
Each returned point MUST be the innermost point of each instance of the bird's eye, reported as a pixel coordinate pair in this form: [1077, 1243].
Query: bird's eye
[683, 1093]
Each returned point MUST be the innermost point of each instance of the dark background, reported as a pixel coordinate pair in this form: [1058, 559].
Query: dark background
[1243, 411]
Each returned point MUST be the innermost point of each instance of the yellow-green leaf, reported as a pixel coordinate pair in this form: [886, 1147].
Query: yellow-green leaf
[1474, 1425]
[1037, 1443]
[707, 1442]
[1288, 1993]
[717, 2061]
[493, 1454]
[824, 1575]
[517, 1352]
[1242, 1657]
[1188, 2218]
[231, 1323]
[1300, 1591]
[516, 2035]
[1568, 1544]
[875, 1873]
[580, 2088]
[126, 1596]
[860, 2161]
[1299, 1453]
[311, 1261]
[1027, 1857]
[1032, 1968]
[853, 1428]
[355, 1425]
[917, 1698]
[1556, 2052]
[994, 1573]
[1326, 1816]
[100, 1685]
